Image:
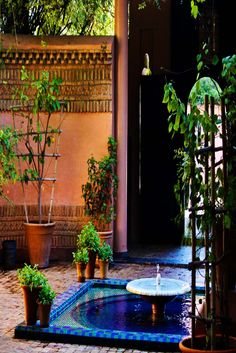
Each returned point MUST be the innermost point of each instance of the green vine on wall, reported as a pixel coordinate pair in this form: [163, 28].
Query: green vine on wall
[8, 170]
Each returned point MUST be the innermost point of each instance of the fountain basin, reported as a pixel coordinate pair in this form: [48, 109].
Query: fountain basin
[158, 294]
[77, 317]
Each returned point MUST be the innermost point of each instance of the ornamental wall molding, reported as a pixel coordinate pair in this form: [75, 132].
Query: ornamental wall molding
[86, 75]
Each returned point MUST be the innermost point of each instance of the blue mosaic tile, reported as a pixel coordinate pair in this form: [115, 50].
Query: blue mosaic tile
[63, 302]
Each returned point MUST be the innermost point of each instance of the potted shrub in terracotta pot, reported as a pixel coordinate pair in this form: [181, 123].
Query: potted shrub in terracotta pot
[31, 281]
[89, 239]
[38, 129]
[105, 256]
[100, 191]
[45, 300]
[80, 259]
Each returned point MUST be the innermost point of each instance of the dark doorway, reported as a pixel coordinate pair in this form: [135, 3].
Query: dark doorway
[158, 171]
[172, 38]
[157, 167]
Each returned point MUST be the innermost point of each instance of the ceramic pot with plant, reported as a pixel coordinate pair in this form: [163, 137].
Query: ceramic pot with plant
[89, 239]
[31, 281]
[38, 131]
[105, 256]
[81, 259]
[100, 191]
[45, 300]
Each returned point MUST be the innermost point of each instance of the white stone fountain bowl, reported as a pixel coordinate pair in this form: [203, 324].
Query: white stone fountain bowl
[149, 287]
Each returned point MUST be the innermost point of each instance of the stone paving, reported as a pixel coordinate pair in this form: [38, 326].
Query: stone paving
[61, 276]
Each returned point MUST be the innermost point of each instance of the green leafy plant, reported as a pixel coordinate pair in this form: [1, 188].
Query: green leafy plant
[46, 294]
[39, 141]
[8, 170]
[100, 191]
[207, 184]
[88, 238]
[31, 276]
[81, 255]
[105, 252]
[194, 5]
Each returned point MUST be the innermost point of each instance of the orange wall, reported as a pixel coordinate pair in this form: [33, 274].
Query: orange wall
[83, 134]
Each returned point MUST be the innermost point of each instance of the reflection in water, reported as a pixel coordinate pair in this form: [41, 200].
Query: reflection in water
[130, 313]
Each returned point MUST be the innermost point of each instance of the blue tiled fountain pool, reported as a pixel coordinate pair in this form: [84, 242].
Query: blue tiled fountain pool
[103, 312]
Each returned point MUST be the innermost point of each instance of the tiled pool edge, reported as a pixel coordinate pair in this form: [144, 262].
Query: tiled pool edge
[112, 338]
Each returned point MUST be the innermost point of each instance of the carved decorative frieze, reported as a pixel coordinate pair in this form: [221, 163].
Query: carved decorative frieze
[86, 76]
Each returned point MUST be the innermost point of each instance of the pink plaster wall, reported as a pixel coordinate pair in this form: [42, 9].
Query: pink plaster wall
[83, 134]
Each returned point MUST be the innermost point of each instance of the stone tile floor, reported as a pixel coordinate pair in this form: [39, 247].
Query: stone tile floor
[61, 276]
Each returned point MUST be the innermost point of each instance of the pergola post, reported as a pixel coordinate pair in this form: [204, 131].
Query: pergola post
[121, 121]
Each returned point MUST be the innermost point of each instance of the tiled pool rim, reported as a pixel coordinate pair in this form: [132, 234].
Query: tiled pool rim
[98, 337]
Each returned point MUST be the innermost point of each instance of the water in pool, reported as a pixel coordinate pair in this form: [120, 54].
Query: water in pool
[117, 309]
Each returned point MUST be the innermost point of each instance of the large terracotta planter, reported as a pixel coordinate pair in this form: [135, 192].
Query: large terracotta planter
[80, 269]
[103, 268]
[90, 268]
[185, 346]
[44, 314]
[39, 240]
[30, 304]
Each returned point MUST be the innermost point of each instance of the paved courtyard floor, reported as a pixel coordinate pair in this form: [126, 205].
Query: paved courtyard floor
[61, 276]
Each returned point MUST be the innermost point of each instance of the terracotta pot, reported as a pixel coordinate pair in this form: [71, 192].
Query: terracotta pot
[90, 268]
[103, 268]
[39, 240]
[44, 314]
[107, 237]
[185, 346]
[30, 304]
[80, 268]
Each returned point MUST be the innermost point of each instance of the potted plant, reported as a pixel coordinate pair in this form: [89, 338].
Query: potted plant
[45, 300]
[38, 153]
[81, 258]
[208, 181]
[31, 281]
[105, 255]
[89, 239]
[100, 191]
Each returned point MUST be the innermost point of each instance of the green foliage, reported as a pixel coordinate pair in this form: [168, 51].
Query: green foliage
[57, 17]
[100, 191]
[142, 3]
[206, 86]
[81, 255]
[8, 170]
[105, 252]
[31, 276]
[194, 4]
[39, 99]
[88, 238]
[193, 126]
[195, 7]
[208, 183]
[46, 294]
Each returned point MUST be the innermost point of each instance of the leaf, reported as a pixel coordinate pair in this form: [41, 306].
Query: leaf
[215, 60]
[199, 65]
[177, 121]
